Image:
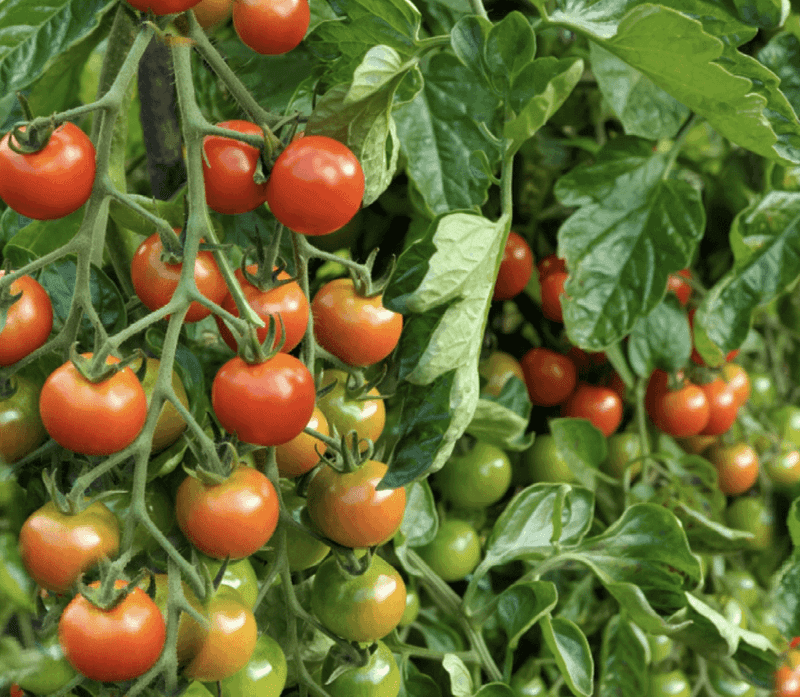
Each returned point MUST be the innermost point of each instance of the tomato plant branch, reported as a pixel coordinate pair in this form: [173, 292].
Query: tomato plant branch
[478, 8]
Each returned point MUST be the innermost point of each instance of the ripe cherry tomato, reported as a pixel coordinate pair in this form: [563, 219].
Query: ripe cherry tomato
[50, 183]
[302, 550]
[739, 381]
[722, 407]
[287, 301]
[358, 608]
[265, 403]
[28, 321]
[787, 677]
[228, 169]
[516, 268]
[57, 548]
[231, 519]
[476, 479]
[680, 413]
[230, 641]
[552, 286]
[600, 405]
[550, 377]
[682, 289]
[455, 550]
[737, 467]
[93, 418]
[357, 330]
[263, 676]
[112, 645]
[751, 515]
[551, 264]
[365, 416]
[544, 463]
[302, 453]
[162, 7]
[316, 185]
[379, 678]
[211, 13]
[348, 508]
[271, 27]
[155, 282]
[21, 428]
[498, 368]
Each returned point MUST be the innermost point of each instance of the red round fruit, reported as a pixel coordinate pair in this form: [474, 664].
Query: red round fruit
[600, 405]
[722, 407]
[552, 287]
[28, 321]
[286, 300]
[155, 281]
[303, 452]
[682, 289]
[516, 268]
[271, 27]
[680, 413]
[787, 677]
[549, 376]
[265, 403]
[550, 264]
[53, 182]
[739, 381]
[316, 185]
[737, 467]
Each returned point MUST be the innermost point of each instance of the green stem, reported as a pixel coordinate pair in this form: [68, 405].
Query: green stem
[677, 146]
[478, 8]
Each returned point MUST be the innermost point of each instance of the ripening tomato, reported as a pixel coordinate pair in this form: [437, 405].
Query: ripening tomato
[787, 677]
[682, 289]
[515, 270]
[191, 633]
[738, 380]
[552, 286]
[271, 27]
[316, 185]
[155, 281]
[600, 405]
[303, 452]
[231, 519]
[21, 428]
[348, 507]
[162, 7]
[286, 300]
[379, 678]
[783, 468]
[28, 321]
[211, 13]
[737, 467]
[302, 550]
[112, 645]
[263, 676]
[722, 407]
[93, 418]
[680, 413]
[367, 417]
[498, 369]
[52, 182]
[356, 329]
[170, 425]
[549, 376]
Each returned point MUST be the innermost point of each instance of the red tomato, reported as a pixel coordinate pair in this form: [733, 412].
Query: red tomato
[93, 418]
[516, 268]
[737, 467]
[155, 282]
[600, 405]
[739, 381]
[552, 287]
[787, 677]
[228, 169]
[316, 185]
[28, 321]
[680, 413]
[265, 403]
[550, 264]
[302, 453]
[348, 508]
[722, 407]
[271, 27]
[676, 284]
[357, 330]
[53, 182]
[162, 7]
[112, 645]
[287, 301]
[550, 377]
[585, 360]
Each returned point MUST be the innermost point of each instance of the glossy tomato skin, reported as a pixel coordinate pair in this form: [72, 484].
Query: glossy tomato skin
[551, 264]
[516, 268]
[303, 452]
[316, 185]
[93, 418]
[365, 416]
[784, 467]
[737, 467]
[271, 27]
[348, 508]
[476, 479]
[228, 169]
[53, 182]
[359, 608]
[286, 300]
[239, 575]
[622, 449]
[455, 550]
[722, 407]
[669, 684]
[21, 428]
[738, 380]
[264, 403]
[357, 330]
[230, 641]
[112, 645]
[232, 519]
[787, 677]
[498, 369]
[56, 548]
[680, 413]
[263, 676]
[191, 634]
[155, 281]
[162, 7]
[676, 284]
[28, 321]
[302, 550]
[552, 286]
[549, 376]
[600, 405]
[752, 515]
[379, 678]
[211, 13]
[544, 463]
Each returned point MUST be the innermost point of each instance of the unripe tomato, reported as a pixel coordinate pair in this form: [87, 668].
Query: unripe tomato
[549, 376]
[159, 508]
[271, 27]
[751, 515]
[303, 452]
[379, 678]
[552, 286]
[742, 586]
[786, 420]
[263, 676]
[54, 670]
[737, 467]
[498, 369]
[454, 552]
[367, 417]
[545, 464]
[669, 684]
[170, 425]
[28, 321]
[660, 647]
[302, 549]
[784, 467]
[21, 428]
[600, 405]
[239, 575]
[412, 607]
[763, 394]
[476, 479]
[516, 268]
[622, 448]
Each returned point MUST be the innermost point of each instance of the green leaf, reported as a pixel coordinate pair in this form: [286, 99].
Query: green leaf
[460, 679]
[756, 664]
[502, 421]
[16, 585]
[706, 536]
[793, 522]
[439, 130]
[782, 56]
[495, 689]
[420, 520]
[783, 597]
[766, 14]
[765, 240]
[624, 205]
[510, 47]
[523, 605]
[582, 446]
[468, 38]
[416, 684]
[643, 108]
[172, 211]
[572, 653]
[661, 339]
[43, 236]
[623, 660]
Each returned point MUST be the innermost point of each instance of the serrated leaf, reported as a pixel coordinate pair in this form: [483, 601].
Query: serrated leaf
[661, 339]
[420, 520]
[460, 678]
[523, 605]
[623, 660]
[572, 653]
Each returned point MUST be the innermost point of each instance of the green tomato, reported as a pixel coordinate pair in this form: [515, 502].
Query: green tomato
[786, 420]
[263, 676]
[729, 686]
[527, 683]
[544, 464]
[784, 468]
[751, 515]
[21, 428]
[763, 394]
[660, 647]
[302, 550]
[455, 550]
[742, 586]
[412, 607]
[733, 610]
[159, 507]
[477, 479]
[239, 575]
[53, 671]
[622, 448]
[379, 678]
[670, 684]
[13, 509]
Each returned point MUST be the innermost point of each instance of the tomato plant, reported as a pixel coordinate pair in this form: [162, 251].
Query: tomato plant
[170, 425]
[516, 268]
[302, 550]
[28, 321]
[552, 287]
[623, 450]
[498, 368]
[752, 515]
[380, 677]
[21, 428]
[345, 412]
[549, 376]
[550, 263]
[455, 550]
[265, 672]
[722, 407]
[600, 405]
[676, 284]
[543, 462]
[239, 575]
[54, 672]
[211, 13]
[680, 413]
[162, 7]
[191, 634]
[737, 466]
[477, 478]
[271, 27]
[303, 452]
